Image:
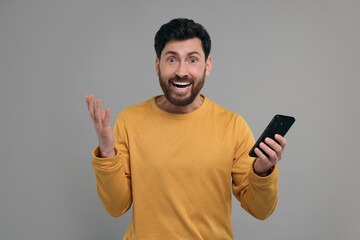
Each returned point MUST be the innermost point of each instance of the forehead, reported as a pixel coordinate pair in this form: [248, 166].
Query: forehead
[182, 47]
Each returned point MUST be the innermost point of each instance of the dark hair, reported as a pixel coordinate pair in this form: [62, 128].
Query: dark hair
[181, 29]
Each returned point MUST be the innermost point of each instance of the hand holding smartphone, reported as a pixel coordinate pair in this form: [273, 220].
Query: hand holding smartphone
[280, 124]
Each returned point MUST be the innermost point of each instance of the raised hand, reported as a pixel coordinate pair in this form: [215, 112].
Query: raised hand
[274, 150]
[101, 120]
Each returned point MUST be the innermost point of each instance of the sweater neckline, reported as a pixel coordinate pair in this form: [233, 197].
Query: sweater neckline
[179, 116]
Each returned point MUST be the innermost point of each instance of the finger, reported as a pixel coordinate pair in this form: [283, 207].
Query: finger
[92, 107]
[281, 140]
[106, 121]
[103, 112]
[275, 146]
[98, 112]
[271, 153]
[260, 154]
[87, 101]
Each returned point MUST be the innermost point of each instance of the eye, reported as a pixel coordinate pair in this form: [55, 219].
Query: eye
[171, 59]
[193, 60]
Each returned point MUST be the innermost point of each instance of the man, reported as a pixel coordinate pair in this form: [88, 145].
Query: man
[174, 156]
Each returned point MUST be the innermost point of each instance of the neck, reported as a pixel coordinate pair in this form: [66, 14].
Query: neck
[167, 106]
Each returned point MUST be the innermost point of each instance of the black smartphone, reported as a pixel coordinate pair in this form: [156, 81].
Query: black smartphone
[280, 124]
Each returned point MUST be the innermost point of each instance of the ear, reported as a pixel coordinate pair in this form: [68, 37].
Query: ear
[157, 68]
[208, 66]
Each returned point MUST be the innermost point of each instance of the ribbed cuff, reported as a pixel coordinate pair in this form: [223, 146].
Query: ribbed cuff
[269, 179]
[105, 164]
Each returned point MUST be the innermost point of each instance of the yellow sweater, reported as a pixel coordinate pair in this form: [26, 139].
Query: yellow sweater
[178, 171]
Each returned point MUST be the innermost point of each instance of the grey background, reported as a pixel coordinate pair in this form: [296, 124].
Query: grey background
[300, 58]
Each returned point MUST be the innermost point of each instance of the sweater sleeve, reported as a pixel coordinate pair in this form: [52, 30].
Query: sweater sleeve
[113, 176]
[257, 195]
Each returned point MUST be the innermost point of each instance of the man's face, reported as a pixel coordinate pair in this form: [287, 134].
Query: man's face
[182, 70]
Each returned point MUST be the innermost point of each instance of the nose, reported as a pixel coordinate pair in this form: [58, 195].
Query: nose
[181, 70]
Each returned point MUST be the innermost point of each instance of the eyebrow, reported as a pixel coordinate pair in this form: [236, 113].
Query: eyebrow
[177, 54]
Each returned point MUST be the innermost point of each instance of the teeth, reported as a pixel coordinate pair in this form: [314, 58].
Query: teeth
[181, 83]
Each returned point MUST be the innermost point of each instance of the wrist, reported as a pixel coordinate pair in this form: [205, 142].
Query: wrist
[108, 154]
[262, 174]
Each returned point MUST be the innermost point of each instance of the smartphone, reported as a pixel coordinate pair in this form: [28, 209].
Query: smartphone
[280, 124]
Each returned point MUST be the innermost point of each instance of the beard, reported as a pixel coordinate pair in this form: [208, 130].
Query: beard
[181, 99]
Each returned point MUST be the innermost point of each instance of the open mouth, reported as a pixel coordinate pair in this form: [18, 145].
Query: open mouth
[181, 85]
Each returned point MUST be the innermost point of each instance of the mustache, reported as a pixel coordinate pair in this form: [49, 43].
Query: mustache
[181, 79]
